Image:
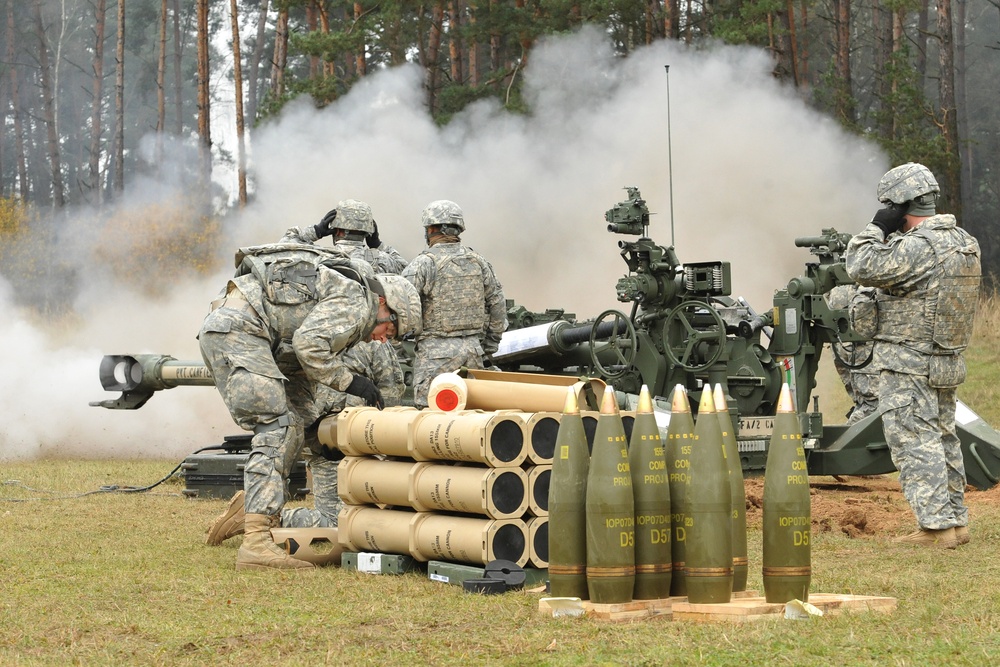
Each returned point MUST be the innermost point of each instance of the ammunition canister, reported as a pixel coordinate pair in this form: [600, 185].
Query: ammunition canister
[539, 481]
[610, 511]
[680, 438]
[471, 540]
[567, 506]
[787, 567]
[365, 480]
[359, 431]
[738, 493]
[426, 535]
[543, 429]
[653, 559]
[498, 493]
[538, 541]
[494, 438]
[708, 553]
[492, 390]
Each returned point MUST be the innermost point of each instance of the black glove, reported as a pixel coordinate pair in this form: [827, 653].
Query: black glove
[325, 226]
[890, 218]
[372, 239]
[364, 388]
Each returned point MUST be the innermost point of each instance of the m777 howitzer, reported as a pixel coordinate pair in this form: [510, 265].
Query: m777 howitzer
[683, 327]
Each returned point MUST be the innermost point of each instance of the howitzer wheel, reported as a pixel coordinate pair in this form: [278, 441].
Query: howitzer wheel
[681, 320]
[621, 340]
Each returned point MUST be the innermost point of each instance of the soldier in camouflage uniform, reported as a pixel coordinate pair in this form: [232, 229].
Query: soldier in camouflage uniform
[927, 271]
[372, 359]
[275, 339]
[464, 311]
[356, 232]
[853, 362]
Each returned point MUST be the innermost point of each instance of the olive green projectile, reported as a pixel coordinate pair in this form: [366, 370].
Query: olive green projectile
[709, 550]
[787, 514]
[568, 505]
[653, 559]
[677, 450]
[738, 491]
[610, 510]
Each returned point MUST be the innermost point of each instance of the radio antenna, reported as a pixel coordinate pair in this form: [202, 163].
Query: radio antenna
[670, 162]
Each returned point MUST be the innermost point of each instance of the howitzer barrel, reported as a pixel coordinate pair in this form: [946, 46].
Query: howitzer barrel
[138, 376]
[557, 337]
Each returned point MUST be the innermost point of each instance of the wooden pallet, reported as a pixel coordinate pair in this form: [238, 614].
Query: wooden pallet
[756, 608]
[636, 610]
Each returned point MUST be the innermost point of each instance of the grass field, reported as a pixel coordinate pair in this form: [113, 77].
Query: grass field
[110, 578]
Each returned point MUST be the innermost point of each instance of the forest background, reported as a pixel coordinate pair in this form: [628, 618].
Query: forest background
[130, 170]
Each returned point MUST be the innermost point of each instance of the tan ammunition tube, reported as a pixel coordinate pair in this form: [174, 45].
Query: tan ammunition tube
[506, 391]
[538, 483]
[494, 438]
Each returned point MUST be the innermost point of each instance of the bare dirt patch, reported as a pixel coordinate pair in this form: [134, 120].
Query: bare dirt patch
[859, 507]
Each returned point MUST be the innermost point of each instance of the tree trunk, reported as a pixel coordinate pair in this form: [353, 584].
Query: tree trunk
[882, 29]
[96, 122]
[473, 48]
[15, 101]
[360, 59]
[494, 43]
[842, 63]
[204, 104]
[923, 22]
[951, 189]
[119, 181]
[962, 105]
[454, 41]
[48, 109]
[253, 84]
[238, 82]
[433, 46]
[178, 89]
[280, 55]
[161, 72]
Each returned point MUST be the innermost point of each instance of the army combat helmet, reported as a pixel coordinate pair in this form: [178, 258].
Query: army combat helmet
[911, 182]
[403, 300]
[354, 215]
[443, 213]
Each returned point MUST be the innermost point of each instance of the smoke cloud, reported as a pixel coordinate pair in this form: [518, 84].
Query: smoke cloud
[753, 167]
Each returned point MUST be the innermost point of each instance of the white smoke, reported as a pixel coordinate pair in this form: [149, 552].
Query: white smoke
[754, 168]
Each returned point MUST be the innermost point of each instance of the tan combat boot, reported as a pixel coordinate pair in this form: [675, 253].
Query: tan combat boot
[930, 538]
[229, 524]
[259, 552]
[962, 535]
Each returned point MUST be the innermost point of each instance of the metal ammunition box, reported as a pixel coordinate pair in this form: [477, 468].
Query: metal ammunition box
[374, 563]
[220, 475]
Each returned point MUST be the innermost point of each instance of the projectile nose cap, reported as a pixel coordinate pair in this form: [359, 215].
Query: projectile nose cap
[720, 399]
[785, 403]
[707, 404]
[645, 405]
[572, 406]
[609, 406]
[679, 402]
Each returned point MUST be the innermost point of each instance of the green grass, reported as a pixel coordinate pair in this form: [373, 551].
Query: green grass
[125, 579]
[114, 579]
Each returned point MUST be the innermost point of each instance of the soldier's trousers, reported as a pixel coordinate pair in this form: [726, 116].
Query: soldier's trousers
[919, 424]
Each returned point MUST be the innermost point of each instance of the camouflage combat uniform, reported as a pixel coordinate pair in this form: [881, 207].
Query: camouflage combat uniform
[275, 336]
[464, 312]
[375, 360]
[861, 383]
[928, 283]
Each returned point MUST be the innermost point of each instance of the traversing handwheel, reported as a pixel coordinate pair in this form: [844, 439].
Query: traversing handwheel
[685, 344]
[615, 332]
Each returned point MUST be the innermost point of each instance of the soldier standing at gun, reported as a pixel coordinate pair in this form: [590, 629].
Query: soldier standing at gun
[464, 311]
[278, 331]
[927, 271]
[374, 360]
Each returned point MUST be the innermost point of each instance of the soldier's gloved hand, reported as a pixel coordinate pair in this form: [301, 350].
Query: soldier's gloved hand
[890, 218]
[373, 239]
[325, 226]
[366, 390]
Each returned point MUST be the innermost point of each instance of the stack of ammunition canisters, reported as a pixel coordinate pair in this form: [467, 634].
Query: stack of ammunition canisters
[465, 486]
